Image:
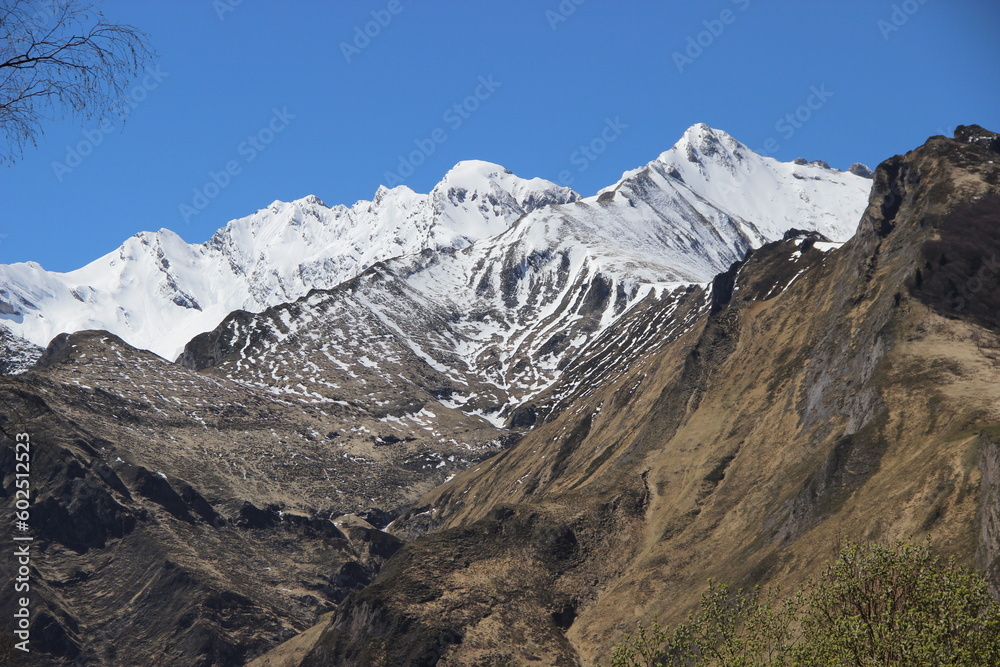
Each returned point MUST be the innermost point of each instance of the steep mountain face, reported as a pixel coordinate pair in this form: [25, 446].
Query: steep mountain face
[810, 392]
[485, 328]
[156, 292]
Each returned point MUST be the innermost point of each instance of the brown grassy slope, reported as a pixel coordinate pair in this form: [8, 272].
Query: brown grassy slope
[158, 534]
[846, 404]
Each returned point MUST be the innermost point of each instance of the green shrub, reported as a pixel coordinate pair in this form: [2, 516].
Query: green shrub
[875, 605]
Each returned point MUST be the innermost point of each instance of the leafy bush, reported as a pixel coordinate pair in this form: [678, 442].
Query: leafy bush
[875, 605]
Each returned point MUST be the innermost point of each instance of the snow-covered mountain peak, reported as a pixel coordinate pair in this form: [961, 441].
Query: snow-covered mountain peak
[471, 171]
[701, 142]
[477, 199]
[383, 194]
[498, 321]
[314, 201]
[151, 244]
[477, 177]
[710, 166]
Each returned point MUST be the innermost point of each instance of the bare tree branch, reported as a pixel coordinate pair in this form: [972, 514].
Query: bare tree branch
[57, 58]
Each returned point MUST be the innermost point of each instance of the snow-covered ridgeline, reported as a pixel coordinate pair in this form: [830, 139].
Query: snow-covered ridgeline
[157, 292]
[532, 258]
[511, 310]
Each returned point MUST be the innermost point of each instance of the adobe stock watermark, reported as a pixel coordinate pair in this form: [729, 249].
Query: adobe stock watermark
[987, 274]
[562, 12]
[947, 131]
[786, 126]
[900, 16]
[21, 552]
[94, 137]
[587, 153]
[224, 7]
[363, 35]
[249, 149]
[697, 44]
[454, 117]
[796, 120]
[22, 542]
[44, 10]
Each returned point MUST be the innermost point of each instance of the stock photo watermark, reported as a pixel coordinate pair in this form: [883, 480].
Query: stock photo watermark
[900, 16]
[224, 7]
[587, 153]
[794, 121]
[45, 10]
[22, 542]
[786, 127]
[698, 43]
[95, 136]
[363, 35]
[986, 275]
[247, 151]
[454, 117]
[947, 131]
[562, 12]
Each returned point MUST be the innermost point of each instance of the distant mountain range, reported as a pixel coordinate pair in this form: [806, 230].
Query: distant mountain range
[157, 292]
[681, 218]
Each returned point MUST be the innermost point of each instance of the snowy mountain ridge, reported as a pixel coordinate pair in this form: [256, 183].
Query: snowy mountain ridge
[156, 292]
[682, 218]
[485, 328]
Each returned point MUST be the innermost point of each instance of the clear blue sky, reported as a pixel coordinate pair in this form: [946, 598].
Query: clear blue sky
[559, 83]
